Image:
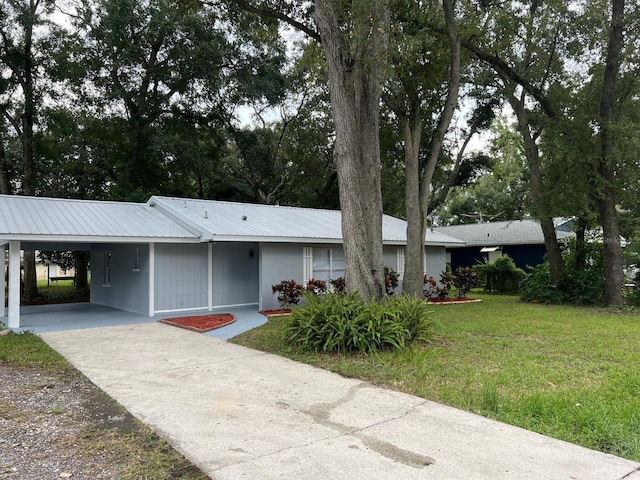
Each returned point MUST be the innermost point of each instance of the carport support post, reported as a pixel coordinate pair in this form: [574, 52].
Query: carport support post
[3, 312]
[210, 276]
[14, 284]
[152, 279]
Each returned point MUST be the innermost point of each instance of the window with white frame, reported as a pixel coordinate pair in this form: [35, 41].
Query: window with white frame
[323, 263]
[424, 262]
[107, 268]
[136, 261]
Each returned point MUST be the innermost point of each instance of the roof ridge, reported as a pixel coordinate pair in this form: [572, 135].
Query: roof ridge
[74, 200]
[259, 205]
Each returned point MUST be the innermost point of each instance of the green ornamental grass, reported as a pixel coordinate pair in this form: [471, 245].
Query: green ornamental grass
[346, 323]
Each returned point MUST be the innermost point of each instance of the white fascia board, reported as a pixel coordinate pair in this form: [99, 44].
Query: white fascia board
[401, 243]
[101, 239]
[426, 244]
[445, 244]
[338, 241]
[485, 244]
[241, 238]
[310, 240]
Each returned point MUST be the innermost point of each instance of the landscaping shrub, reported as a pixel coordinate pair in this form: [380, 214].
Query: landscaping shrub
[347, 323]
[446, 282]
[501, 276]
[464, 279]
[632, 293]
[338, 284]
[390, 280]
[317, 287]
[430, 287]
[579, 288]
[538, 287]
[289, 293]
[415, 314]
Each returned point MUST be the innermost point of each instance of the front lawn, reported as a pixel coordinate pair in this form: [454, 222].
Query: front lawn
[571, 373]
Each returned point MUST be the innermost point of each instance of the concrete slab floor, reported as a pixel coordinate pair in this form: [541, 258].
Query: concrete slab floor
[74, 316]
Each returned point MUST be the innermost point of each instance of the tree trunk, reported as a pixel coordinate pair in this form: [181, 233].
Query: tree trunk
[133, 159]
[30, 281]
[5, 176]
[81, 268]
[354, 62]
[417, 192]
[542, 207]
[30, 287]
[613, 264]
[413, 281]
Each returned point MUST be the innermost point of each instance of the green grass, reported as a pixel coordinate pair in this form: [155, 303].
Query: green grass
[26, 350]
[571, 373]
[56, 284]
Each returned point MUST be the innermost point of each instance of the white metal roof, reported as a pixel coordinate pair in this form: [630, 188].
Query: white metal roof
[167, 219]
[230, 221]
[58, 219]
[514, 232]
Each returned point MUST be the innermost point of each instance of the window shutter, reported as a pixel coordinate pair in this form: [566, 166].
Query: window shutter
[400, 263]
[307, 263]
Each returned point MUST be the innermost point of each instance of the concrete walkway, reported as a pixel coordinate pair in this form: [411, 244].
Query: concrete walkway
[239, 413]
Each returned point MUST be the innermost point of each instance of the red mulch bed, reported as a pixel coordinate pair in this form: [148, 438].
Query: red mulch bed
[201, 323]
[268, 313]
[452, 300]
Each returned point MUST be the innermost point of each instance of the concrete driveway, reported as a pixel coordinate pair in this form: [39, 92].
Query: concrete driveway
[239, 413]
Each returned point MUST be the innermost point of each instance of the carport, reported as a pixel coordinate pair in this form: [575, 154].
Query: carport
[32, 223]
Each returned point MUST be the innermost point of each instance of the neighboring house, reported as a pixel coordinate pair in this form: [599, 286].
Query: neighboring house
[51, 272]
[179, 255]
[522, 240]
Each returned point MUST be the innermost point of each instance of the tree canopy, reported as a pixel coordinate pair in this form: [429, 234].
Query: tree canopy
[370, 106]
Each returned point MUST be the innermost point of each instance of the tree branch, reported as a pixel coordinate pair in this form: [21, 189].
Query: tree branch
[502, 67]
[271, 13]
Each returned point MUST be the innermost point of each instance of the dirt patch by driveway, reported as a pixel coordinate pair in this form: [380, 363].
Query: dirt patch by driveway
[60, 425]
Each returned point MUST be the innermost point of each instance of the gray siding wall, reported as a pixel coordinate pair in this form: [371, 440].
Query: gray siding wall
[181, 276]
[390, 257]
[278, 261]
[129, 289]
[436, 261]
[235, 273]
